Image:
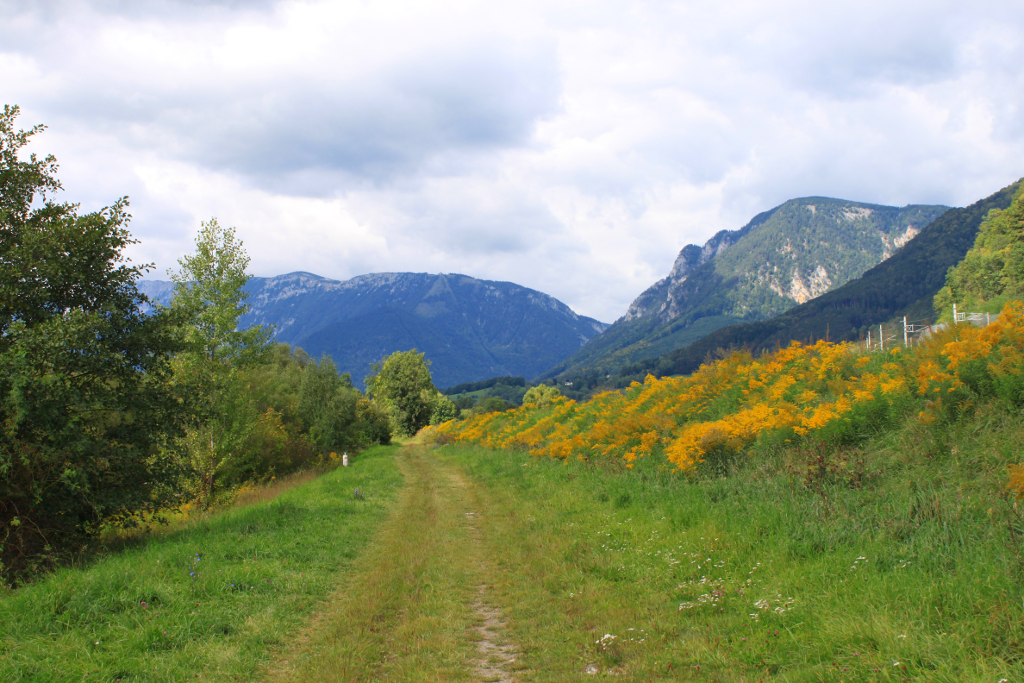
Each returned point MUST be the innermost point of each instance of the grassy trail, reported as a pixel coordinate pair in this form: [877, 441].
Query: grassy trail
[469, 564]
[418, 605]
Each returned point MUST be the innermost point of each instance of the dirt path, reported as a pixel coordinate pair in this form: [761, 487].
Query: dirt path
[419, 605]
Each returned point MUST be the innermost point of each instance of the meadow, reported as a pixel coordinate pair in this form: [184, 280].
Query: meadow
[211, 600]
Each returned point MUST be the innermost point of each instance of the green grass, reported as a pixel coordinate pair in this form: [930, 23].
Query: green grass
[915, 575]
[902, 562]
[215, 601]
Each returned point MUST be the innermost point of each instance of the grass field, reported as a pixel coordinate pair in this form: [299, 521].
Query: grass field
[213, 601]
[898, 561]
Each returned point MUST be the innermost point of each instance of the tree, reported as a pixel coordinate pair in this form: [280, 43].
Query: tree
[992, 272]
[373, 422]
[444, 410]
[327, 404]
[209, 298]
[85, 399]
[401, 384]
[540, 395]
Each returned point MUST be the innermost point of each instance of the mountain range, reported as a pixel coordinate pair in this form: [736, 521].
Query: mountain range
[782, 258]
[809, 268]
[469, 328]
[903, 285]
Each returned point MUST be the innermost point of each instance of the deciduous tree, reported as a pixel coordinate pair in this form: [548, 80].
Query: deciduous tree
[401, 383]
[85, 401]
[209, 299]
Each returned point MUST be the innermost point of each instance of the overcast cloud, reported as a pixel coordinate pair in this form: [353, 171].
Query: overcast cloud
[570, 147]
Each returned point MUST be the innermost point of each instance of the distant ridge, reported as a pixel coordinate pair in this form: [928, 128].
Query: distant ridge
[470, 329]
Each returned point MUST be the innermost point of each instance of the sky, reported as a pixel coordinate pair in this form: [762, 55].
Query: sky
[571, 147]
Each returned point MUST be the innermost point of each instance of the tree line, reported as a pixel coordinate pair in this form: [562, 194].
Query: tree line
[111, 416]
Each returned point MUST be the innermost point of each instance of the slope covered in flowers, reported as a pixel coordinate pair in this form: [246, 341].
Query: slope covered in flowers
[830, 392]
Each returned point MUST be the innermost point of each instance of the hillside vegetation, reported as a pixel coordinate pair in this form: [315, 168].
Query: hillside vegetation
[827, 392]
[992, 272]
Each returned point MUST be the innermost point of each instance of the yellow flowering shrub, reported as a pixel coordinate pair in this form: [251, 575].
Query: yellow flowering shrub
[823, 390]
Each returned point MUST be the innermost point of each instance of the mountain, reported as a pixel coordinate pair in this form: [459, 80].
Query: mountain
[782, 258]
[903, 285]
[470, 329]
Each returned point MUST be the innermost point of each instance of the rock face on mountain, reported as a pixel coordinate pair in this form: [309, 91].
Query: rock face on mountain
[903, 285]
[470, 329]
[782, 258]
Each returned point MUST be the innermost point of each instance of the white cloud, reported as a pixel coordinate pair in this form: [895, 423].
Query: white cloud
[573, 148]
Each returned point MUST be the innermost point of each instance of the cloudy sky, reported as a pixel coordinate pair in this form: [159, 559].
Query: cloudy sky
[572, 147]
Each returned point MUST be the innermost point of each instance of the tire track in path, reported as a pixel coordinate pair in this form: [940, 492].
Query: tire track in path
[418, 605]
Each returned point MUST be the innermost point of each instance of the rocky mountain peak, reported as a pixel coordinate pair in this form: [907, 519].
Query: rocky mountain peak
[782, 258]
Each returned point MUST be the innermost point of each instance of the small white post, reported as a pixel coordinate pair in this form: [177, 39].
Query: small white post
[344, 459]
[869, 340]
[904, 331]
[881, 337]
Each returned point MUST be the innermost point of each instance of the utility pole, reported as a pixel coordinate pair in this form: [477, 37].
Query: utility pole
[904, 331]
[881, 337]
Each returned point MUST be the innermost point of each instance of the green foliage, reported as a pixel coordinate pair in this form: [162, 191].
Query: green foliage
[84, 397]
[374, 422]
[299, 412]
[209, 299]
[444, 410]
[992, 272]
[401, 384]
[541, 395]
[463, 402]
[509, 389]
[275, 383]
[491, 404]
[277, 440]
[208, 290]
[468, 387]
[327, 404]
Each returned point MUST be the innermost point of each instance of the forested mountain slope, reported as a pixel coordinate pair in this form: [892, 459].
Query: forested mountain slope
[902, 285]
[782, 258]
[992, 272]
[470, 329]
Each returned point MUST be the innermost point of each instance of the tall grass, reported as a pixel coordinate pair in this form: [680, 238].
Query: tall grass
[210, 601]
